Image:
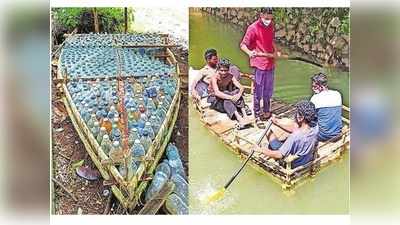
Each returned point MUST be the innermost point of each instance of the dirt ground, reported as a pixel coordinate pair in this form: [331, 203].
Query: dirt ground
[74, 195]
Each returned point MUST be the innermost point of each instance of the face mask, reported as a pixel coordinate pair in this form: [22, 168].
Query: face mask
[316, 90]
[266, 22]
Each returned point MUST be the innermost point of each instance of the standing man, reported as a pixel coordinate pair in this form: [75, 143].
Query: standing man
[258, 44]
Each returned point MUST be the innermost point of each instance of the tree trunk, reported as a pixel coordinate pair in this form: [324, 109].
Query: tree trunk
[96, 21]
[126, 19]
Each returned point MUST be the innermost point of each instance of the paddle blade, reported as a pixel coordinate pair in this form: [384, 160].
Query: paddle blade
[218, 195]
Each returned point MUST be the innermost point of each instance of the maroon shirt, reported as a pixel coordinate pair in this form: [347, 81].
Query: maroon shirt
[260, 38]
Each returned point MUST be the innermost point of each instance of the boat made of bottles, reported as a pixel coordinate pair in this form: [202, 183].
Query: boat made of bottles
[241, 141]
[121, 92]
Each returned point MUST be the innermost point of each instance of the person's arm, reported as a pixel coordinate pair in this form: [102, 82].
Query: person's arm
[248, 38]
[282, 152]
[217, 92]
[238, 85]
[274, 54]
[250, 53]
[287, 127]
[273, 154]
[194, 83]
[268, 152]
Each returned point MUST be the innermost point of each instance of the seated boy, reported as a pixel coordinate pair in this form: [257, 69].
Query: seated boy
[201, 82]
[225, 94]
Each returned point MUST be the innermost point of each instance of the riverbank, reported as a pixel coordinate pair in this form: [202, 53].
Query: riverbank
[322, 34]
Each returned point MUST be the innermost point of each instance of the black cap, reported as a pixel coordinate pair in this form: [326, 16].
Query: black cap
[224, 63]
[267, 10]
[320, 79]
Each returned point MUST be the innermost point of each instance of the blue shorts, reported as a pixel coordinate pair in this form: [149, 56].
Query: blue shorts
[275, 144]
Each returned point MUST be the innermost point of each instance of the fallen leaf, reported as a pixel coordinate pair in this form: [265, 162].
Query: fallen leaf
[77, 164]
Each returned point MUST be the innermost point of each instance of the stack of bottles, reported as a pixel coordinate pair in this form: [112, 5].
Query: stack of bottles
[141, 62]
[94, 55]
[90, 40]
[139, 39]
[146, 101]
[171, 169]
[89, 62]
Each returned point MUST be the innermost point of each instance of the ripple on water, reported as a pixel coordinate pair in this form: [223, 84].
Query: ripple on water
[199, 195]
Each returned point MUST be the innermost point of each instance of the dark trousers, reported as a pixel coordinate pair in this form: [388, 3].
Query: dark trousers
[227, 106]
[263, 89]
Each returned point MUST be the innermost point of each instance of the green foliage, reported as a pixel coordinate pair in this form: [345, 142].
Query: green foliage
[110, 19]
[68, 17]
[314, 25]
[345, 24]
[279, 15]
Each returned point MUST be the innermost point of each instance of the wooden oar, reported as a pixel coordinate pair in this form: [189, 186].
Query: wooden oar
[287, 57]
[220, 193]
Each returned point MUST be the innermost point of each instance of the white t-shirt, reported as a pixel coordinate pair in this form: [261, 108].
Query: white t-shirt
[328, 98]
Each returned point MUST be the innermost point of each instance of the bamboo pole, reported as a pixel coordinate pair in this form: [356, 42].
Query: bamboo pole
[126, 19]
[96, 20]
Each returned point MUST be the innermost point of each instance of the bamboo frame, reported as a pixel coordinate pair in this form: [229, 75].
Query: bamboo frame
[286, 176]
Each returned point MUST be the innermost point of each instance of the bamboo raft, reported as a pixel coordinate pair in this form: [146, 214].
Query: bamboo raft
[241, 141]
[127, 191]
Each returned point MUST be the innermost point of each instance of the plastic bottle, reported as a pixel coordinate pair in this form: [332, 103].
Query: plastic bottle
[87, 113]
[165, 168]
[161, 111]
[174, 160]
[107, 124]
[138, 149]
[150, 105]
[91, 121]
[95, 129]
[142, 121]
[146, 140]
[181, 187]
[112, 113]
[175, 205]
[155, 123]
[115, 133]
[106, 144]
[149, 129]
[133, 135]
[102, 132]
[115, 148]
[157, 183]
[131, 122]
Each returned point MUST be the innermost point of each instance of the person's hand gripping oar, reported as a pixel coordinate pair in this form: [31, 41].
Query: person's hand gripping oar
[220, 193]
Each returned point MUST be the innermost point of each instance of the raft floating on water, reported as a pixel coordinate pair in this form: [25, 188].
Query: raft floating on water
[127, 189]
[241, 142]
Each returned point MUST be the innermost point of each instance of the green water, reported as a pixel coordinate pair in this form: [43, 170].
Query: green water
[212, 164]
